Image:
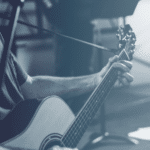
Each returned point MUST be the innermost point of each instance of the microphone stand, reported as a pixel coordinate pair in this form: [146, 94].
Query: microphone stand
[106, 136]
[98, 138]
[17, 4]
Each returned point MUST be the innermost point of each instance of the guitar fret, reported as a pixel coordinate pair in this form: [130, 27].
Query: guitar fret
[90, 108]
[83, 123]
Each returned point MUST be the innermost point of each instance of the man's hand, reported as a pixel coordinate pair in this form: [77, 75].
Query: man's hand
[123, 66]
[53, 148]
[62, 148]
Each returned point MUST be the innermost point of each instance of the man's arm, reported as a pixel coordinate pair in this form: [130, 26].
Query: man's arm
[3, 113]
[66, 87]
[53, 148]
[40, 87]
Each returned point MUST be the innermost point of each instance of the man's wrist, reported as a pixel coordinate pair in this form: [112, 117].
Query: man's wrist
[97, 79]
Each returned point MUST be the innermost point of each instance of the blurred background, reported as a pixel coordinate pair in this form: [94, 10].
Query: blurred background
[96, 21]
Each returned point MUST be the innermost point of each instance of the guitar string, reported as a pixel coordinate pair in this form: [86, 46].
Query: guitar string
[84, 122]
[71, 132]
[77, 123]
[83, 119]
[84, 110]
[95, 103]
[74, 138]
[87, 117]
[79, 118]
[91, 114]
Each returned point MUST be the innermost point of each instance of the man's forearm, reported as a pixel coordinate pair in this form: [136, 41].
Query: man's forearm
[65, 87]
[40, 87]
[3, 148]
[3, 113]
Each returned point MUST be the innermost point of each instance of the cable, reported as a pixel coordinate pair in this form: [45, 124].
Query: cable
[59, 34]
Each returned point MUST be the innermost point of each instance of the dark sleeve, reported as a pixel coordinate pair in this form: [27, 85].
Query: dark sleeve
[20, 72]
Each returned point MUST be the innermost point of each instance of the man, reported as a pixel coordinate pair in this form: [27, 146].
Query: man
[19, 86]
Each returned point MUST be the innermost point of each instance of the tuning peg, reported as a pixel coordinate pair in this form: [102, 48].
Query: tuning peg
[122, 33]
[118, 30]
[134, 39]
[132, 44]
[130, 31]
[120, 46]
[128, 28]
[128, 35]
[122, 42]
[132, 51]
[131, 57]
[117, 35]
[133, 47]
[133, 35]
[127, 39]
[121, 27]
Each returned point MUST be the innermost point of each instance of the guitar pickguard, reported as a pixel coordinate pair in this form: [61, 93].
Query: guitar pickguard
[52, 116]
[50, 141]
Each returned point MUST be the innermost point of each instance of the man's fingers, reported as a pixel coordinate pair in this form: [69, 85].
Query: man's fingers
[121, 67]
[123, 82]
[62, 148]
[117, 64]
[126, 76]
[112, 60]
[127, 63]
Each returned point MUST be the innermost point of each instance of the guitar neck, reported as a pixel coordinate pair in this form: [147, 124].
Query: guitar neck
[84, 118]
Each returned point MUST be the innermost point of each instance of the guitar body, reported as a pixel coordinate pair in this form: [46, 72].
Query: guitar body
[43, 128]
[40, 126]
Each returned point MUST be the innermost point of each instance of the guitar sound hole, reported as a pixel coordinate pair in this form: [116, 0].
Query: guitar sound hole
[52, 144]
[51, 141]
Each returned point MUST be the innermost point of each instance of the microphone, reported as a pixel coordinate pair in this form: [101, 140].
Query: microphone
[62, 35]
[16, 3]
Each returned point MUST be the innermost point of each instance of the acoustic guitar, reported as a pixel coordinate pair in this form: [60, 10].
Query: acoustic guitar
[40, 126]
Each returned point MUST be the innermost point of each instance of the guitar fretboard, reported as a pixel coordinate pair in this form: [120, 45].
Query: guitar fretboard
[85, 116]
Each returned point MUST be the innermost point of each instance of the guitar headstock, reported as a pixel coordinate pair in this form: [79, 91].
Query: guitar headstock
[127, 40]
